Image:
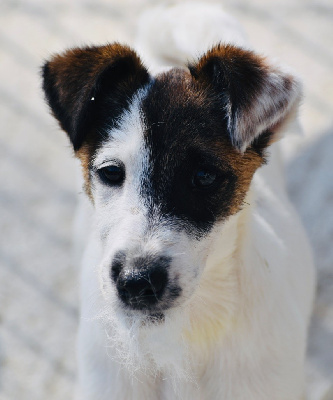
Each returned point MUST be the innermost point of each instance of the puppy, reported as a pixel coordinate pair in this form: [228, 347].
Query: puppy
[197, 281]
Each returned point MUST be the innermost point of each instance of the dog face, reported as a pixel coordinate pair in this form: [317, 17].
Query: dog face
[167, 160]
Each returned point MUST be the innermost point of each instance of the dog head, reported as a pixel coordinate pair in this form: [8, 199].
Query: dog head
[167, 160]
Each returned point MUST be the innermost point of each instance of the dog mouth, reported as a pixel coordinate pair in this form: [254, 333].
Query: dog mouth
[156, 318]
[147, 301]
[146, 317]
[148, 305]
[152, 313]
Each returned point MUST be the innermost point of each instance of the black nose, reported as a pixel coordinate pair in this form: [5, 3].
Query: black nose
[142, 285]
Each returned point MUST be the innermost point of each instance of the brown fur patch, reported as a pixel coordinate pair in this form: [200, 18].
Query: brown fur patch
[85, 154]
[257, 96]
[231, 59]
[244, 166]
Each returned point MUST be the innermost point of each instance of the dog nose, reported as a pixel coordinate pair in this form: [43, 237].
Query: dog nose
[143, 285]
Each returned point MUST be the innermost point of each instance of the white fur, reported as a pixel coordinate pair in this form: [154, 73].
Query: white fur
[237, 332]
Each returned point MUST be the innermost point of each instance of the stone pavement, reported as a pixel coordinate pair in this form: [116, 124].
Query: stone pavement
[38, 191]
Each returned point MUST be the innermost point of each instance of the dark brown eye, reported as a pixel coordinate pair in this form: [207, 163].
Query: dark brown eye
[203, 178]
[112, 174]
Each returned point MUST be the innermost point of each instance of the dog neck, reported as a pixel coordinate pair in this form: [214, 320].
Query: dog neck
[214, 306]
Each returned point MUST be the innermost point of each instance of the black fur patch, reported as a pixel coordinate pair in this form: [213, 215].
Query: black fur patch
[185, 130]
[85, 84]
[261, 143]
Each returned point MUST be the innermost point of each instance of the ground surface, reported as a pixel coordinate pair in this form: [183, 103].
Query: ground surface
[38, 193]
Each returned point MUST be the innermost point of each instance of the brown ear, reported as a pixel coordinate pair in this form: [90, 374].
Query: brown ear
[78, 82]
[256, 97]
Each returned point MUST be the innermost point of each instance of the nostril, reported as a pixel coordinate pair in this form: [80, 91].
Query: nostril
[158, 279]
[124, 294]
[148, 292]
[117, 265]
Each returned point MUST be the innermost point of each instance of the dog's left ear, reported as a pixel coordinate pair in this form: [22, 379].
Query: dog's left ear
[257, 98]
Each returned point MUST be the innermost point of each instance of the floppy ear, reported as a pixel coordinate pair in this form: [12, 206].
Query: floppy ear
[77, 83]
[257, 98]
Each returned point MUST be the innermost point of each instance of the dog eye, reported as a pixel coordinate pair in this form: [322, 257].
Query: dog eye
[203, 178]
[112, 174]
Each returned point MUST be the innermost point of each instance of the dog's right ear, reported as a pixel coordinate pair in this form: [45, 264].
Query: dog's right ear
[76, 83]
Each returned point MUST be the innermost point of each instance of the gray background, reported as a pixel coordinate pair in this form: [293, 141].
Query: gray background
[38, 189]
